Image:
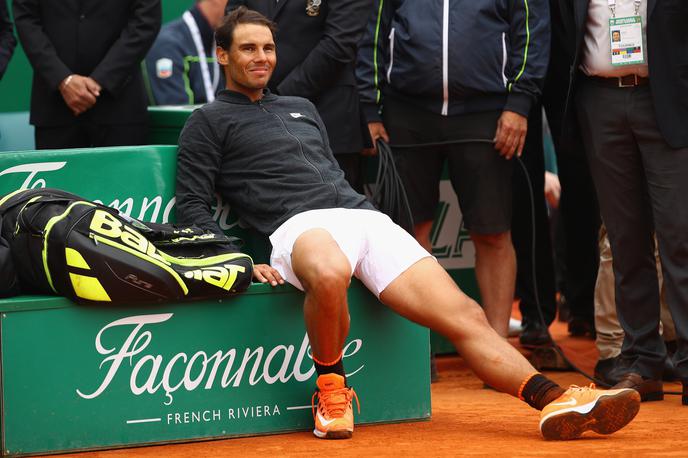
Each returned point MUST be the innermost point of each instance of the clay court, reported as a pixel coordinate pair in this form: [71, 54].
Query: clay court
[467, 420]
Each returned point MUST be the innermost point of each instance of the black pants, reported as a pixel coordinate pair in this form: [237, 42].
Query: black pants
[642, 186]
[578, 214]
[535, 267]
[86, 134]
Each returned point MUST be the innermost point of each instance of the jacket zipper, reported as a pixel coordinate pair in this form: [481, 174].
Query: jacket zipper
[284, 126]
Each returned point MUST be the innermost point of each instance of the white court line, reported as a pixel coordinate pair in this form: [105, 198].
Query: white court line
[144, 420]
[299, 407]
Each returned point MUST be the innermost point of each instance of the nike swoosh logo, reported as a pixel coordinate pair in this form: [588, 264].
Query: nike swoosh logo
[322, 420]
[570, 402]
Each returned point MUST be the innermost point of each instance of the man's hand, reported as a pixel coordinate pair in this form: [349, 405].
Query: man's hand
[552, 189]
[511, 134]
[79, 93]
[377, 131]
[266, 274]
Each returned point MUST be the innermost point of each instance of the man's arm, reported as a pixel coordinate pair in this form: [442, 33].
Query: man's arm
[36, 44]
[124, 56]
[198, 163]
[7, 40]
[370, 69]
[371, 63]
[527, 67]
[529, 38]
[78, 92]
[344, 26]
[165, 70]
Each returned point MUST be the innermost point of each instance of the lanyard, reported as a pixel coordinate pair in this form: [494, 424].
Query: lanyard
[612, 6]
[210, 88]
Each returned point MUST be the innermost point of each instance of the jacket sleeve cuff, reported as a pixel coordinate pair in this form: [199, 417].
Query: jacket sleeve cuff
[371, 112]
[519, 102]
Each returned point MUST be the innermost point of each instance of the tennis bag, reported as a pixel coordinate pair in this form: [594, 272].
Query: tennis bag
[62, 244]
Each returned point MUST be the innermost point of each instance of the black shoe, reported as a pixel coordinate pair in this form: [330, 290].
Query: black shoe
[534, 334]
[609, 370]
[684, 396]
[579, 327]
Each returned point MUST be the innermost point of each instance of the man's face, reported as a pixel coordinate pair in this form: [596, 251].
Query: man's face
[250, 60]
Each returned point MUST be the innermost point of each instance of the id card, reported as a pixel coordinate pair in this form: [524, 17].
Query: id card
[626, 40]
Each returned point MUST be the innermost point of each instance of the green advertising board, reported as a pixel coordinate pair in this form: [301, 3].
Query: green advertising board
[76, 377]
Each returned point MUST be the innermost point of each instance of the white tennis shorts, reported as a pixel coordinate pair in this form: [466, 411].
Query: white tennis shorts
[378, 250]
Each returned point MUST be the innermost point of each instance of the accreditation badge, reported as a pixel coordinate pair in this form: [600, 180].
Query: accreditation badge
[626, 40]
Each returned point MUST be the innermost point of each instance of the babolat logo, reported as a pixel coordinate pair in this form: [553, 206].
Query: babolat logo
[106, 225]
[220, 276]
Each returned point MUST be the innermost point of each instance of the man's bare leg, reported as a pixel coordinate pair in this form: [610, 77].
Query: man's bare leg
[495, 270]
[425, 294]
[325, 273]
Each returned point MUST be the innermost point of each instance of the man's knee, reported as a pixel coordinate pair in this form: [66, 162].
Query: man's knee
[327, 279]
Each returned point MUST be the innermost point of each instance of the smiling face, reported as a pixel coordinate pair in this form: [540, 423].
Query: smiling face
[250, 60]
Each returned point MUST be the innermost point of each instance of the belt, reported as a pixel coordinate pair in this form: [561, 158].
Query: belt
[621, 81]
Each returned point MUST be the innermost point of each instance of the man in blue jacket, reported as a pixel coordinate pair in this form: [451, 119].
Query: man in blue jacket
[465, 71]
[181, 65]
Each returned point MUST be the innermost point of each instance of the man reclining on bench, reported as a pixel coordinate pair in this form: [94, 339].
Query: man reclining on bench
[268, 157]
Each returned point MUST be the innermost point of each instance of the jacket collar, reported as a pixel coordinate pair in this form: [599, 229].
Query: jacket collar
[226, 95]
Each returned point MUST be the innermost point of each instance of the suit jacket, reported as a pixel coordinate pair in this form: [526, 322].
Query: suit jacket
[7, 41]
[103, 39]
[316, 60]
[667, 51]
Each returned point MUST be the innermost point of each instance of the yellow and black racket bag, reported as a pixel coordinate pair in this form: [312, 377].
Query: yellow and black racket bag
[62, 244]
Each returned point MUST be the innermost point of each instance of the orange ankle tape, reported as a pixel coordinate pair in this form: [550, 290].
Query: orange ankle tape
[329, 364]
[523, 385]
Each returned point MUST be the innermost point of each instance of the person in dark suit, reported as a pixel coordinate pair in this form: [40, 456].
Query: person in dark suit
[87, 85]
[633, 121]
[317, 43]
[7, 40]
[579, 212]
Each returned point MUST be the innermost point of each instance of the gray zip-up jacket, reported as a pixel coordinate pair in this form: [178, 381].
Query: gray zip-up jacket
[270, 160]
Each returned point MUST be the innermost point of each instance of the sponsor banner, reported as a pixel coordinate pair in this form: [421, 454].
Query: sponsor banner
[76, 377]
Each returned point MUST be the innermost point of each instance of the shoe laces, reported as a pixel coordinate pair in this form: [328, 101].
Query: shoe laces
[334, 402]
[582, 388]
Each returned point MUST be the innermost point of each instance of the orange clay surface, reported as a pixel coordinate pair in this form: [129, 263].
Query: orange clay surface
[467, 420]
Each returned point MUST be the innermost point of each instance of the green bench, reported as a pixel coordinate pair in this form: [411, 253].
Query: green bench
[80, 378]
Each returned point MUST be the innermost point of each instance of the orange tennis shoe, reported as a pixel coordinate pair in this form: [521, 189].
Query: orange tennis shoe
[582, 409]
[334, 416]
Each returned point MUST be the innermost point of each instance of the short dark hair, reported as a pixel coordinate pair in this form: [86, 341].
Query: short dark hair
[241, 15]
